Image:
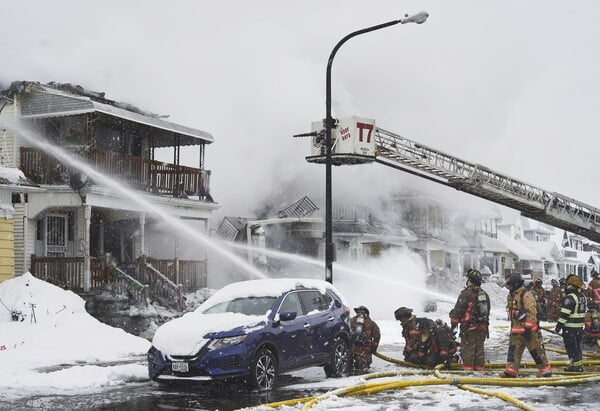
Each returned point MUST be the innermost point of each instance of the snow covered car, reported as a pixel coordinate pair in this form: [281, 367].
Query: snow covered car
[255, 330]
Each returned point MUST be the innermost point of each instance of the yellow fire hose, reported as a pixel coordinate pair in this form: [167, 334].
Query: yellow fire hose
[585, 354]
[488, 365]
[370, 388]
[460, 382]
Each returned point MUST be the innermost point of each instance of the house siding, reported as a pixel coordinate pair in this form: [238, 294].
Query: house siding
[7, 255]
[24, 242]
[8, 157]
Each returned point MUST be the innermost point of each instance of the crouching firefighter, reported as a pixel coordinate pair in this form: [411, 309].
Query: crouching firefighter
[472, 312]
[366, 338]
[524, 329]
[571, 322]
[410, 331]
[441, 347]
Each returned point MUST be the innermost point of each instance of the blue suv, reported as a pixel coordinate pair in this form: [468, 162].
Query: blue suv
[255, 330]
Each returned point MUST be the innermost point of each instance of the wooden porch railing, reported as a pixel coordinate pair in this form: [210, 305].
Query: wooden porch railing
[149, 279]
[67, 272]
[161, 287]
[192, 274]
[146, 175]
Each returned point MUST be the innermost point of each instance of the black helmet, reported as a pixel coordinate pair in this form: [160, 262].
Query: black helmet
[474, 276]
[425, 324]
[363, 309]
[514, 281]
[562, 281]
[403, 313]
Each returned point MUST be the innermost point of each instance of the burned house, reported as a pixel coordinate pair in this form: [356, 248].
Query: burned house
[82, 233]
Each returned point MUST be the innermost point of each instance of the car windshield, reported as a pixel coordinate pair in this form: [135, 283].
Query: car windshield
[246, 305]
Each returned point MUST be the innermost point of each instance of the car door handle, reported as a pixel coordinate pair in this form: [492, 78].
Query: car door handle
[331, 319]
[307, 325]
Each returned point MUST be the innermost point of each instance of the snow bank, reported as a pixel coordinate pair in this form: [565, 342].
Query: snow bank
[53, 329]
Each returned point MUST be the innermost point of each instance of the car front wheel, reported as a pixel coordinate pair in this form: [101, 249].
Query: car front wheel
[264, 370]
[338, 361]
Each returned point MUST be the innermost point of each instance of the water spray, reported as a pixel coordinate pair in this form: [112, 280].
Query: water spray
[108, 182]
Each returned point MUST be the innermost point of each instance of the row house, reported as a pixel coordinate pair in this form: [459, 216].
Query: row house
[298, 229]
[82, 233]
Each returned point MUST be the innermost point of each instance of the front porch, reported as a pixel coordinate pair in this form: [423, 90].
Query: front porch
[147, 280]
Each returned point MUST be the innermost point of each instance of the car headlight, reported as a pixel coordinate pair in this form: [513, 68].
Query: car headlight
[226, 342]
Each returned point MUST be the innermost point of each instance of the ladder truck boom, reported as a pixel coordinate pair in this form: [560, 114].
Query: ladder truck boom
[542, 205]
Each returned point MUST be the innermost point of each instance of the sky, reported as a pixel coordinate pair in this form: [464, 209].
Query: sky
[512, 85]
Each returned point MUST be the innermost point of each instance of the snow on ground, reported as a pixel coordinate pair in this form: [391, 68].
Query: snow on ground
[65, 351]
[54, 331]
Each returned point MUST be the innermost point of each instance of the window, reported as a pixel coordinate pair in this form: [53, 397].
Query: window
[315, 301]
[291, 302]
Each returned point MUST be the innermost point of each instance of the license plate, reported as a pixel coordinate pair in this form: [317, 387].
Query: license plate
[180, 366]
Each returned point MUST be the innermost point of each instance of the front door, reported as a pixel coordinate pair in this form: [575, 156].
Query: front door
[56, 235]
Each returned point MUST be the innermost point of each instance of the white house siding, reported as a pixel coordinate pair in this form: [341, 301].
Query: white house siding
[19, 241]
[20, 238]
[7, 138]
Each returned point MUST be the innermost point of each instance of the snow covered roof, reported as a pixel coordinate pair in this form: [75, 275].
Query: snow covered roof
[493, 245]
[518, 249]
[545, 249]
[13, 177]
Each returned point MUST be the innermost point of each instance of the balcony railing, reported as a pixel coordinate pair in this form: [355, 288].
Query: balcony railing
[146, 175]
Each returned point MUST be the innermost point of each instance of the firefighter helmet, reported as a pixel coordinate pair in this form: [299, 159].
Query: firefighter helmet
[403, 313]
[360, 309]
[474, 276]
[514, 281]
[574, 281]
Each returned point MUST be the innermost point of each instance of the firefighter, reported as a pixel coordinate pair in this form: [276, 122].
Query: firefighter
[540, 295]
[410, 331]
[571, 322]
[554, 298]
[593, 290]
[591, 332]
[471, 311]
[524, 329]
[366, 338]
[562, 284]
[443, 345]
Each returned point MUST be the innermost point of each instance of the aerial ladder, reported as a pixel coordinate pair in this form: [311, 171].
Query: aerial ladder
[357, 140]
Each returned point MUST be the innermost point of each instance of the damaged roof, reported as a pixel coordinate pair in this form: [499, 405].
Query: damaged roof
[56, 99]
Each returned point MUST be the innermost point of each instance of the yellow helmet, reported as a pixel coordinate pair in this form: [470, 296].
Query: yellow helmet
[574, 281]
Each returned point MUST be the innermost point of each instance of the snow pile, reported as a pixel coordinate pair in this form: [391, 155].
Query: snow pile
[52, 328]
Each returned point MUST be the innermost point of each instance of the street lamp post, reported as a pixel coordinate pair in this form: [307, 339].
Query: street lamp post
[418, 18]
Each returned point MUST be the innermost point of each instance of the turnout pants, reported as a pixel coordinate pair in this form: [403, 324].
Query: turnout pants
[517, 344]
[572, 337]
[471, 349]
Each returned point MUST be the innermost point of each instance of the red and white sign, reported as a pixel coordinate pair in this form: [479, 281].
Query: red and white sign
[352, 135]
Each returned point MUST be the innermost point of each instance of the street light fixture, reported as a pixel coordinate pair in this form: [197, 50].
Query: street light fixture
[418, 18]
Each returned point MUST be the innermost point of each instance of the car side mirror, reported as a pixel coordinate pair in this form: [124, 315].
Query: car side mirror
[287, 315]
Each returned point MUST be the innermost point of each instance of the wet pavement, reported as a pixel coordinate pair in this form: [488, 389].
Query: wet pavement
[212, 396]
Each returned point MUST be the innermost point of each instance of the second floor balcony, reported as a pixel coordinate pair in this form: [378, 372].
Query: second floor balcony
[143, 174]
